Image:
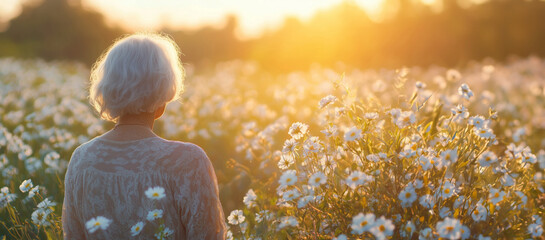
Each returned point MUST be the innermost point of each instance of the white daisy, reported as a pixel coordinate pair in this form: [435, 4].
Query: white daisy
[356, 179]
[155, 193]
[450, 155]
[479, 213]
[427, 201]
[303, 201]
[154, 214]
[495, 196]
[407, 195]
[288, 178]
[406, 118]
[99, 222]
[39, 216]
[408, 230]
[289, 146]
[298, 130]
[137, 228]
[327, 100]
[487, 158]
[535, 230]
[449, 228]
[290, 194]
[465, 92]
[426, 162]
[26, 185]
[459, 113]
[382, 228]
[286, 160]
[466, 232]
[484, 133]
[478, 122]
[317, 179]
[236, 217]
[249, 198]
[288, 222]
[362, 223]
[33, 191]
[352, 134]
[447, 190]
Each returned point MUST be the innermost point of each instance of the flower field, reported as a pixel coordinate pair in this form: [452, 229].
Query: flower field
[412, 153]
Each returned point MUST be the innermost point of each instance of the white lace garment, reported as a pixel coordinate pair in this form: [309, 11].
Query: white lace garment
[109, 178]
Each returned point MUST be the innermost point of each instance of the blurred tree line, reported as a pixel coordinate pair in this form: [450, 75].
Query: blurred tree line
[415, 35]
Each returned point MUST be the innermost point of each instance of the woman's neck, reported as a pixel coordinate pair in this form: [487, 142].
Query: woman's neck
[132, 127]
[143, 119]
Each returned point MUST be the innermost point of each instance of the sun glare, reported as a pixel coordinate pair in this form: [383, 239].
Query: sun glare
[255, 16]
[371, 6]
[428, 2]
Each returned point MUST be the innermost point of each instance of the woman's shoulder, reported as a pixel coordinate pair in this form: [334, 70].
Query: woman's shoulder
[186, 150]
[187, 155]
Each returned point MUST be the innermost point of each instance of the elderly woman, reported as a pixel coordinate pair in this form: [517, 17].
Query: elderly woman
[129, 183]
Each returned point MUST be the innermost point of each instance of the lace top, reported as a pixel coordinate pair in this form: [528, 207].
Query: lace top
[109, 178]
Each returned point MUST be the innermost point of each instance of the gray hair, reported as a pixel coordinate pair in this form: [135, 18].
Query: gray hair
[139, 73]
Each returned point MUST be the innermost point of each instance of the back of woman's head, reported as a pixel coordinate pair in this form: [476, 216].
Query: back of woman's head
[139, 73]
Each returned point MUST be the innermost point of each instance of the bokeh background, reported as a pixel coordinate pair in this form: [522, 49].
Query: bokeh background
[283, 35]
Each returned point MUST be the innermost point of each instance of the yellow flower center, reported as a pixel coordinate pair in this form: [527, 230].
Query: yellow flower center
[137, 228]
[382, 228]
[363, 224]
[447, 190]
[353, 134]
[318, 179]
[496, 195]
[97, 223]
[449, 228]
[476, 212]
[408, 195]
[288, 179]
[355, 179]
[156, 194]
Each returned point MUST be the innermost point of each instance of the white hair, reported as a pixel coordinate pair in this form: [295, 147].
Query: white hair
[139, 73]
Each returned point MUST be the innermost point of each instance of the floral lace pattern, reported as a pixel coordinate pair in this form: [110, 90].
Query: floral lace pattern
[108, 178]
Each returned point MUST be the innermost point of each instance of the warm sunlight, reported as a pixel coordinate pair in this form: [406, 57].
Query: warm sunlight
[255, 16]
[283, 119]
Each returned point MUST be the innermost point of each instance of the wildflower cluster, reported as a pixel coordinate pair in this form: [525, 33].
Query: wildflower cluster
[405, 171]
[414, 151]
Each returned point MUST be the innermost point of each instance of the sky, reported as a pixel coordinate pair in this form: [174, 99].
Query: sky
[255, 16]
